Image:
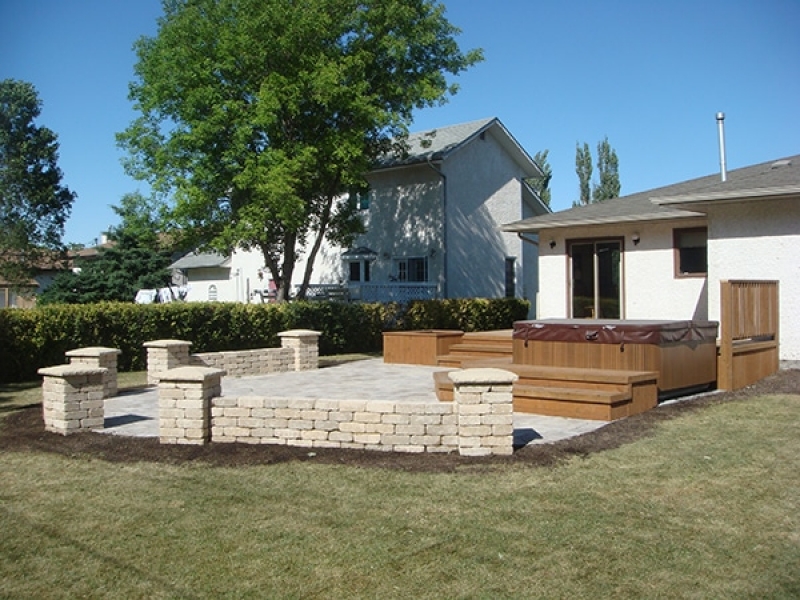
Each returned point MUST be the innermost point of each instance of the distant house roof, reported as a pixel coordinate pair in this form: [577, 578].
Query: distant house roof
[198, 260]
[773, 179]
[436, 145]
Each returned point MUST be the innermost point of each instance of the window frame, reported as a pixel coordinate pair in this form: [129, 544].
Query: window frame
[677, 248]
[404, 267]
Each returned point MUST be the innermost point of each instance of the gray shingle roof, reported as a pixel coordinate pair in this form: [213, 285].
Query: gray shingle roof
[770, 179]
[437, 144]
[197, 260]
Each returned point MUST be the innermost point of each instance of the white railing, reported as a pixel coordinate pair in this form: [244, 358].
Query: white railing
[372, 292]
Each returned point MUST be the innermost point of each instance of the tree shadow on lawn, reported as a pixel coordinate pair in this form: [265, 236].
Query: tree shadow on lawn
[23, 431]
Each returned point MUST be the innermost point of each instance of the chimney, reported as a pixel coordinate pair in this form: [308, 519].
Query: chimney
[723, 169]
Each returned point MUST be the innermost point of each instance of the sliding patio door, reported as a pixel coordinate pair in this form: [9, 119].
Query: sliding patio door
[595, 290]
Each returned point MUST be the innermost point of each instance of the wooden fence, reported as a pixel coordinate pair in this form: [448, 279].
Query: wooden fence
[748, 347]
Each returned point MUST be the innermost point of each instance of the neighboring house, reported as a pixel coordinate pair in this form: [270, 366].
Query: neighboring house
[433, 219]
[661, 254]
[433, 222]
[25, 296]
[212, 277]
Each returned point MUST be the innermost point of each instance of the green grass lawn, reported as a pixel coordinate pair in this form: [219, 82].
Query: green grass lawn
[707, 507]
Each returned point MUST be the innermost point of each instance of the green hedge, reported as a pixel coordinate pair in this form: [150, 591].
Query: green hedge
[35, 338]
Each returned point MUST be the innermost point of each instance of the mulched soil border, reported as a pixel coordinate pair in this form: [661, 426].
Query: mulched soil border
[23, 431]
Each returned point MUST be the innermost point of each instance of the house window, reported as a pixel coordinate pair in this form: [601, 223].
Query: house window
[412, 269]
[691, 252]
[359, 271]
[511, 276]
[359, 200]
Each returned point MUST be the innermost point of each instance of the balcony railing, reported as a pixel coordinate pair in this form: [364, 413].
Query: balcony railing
[373, 292]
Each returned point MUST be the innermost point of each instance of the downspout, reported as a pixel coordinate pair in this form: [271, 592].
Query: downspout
[444, 223]
[521, 236]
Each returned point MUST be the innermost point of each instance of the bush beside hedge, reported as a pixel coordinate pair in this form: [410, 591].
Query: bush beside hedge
[35, 338]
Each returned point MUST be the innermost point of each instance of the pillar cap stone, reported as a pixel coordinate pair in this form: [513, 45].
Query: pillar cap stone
[166, 343]
[478, 376]
[190, 374]
[92, 351]
[71, 371]
[300, 333]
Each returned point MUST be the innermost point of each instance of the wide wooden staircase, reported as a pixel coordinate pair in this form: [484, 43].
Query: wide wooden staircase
[493, 346]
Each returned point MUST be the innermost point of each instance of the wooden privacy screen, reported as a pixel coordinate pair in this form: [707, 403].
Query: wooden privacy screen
[748, 349]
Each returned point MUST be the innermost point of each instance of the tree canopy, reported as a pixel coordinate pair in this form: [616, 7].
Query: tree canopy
[115, 274]
[258, 116]
[34, 205]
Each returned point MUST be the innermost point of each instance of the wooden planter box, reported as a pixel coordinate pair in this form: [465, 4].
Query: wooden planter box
[418, 347]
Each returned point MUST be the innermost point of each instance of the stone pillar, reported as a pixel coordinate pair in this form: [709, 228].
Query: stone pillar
[72, 398]
[163, 355]
[184, 404]
[485, 411]
[305, 344]
[97, 356]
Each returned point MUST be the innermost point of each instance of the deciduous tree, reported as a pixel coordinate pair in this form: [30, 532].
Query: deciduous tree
[542, 184]
[608, 172]
[608, 185]
[34, 205]
[258, 115]
[583, 167]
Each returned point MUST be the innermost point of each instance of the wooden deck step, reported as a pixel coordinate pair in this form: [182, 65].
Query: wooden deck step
[570, 392]
[479, 345]
[443, 385]
[601, 405]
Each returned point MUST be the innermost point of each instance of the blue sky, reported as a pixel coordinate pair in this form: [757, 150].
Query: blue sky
[649, 75]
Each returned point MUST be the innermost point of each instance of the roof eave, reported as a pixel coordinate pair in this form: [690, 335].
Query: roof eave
[771, 193]
[670, 215]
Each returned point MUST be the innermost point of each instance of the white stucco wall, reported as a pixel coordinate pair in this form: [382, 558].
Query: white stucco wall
[650, 289]
[484, 191]
[759, 240]
[234, 283]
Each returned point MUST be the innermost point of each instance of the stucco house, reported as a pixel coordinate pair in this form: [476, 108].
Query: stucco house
[662, 253]
[432, 220]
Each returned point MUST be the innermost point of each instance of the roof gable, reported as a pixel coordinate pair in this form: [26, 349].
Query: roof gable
[439, 144]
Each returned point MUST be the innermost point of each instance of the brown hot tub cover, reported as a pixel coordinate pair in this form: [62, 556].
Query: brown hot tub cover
[604, 331]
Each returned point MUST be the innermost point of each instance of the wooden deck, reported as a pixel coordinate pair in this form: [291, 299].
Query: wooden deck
[600, 394]
[590, 382]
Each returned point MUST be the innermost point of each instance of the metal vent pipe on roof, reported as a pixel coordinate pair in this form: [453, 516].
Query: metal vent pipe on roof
[723, 169]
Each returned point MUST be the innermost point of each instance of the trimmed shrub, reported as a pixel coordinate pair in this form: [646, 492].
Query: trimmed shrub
[39, 337]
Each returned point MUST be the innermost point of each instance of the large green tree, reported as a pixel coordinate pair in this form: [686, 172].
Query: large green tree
[259, 115]
[34, 205]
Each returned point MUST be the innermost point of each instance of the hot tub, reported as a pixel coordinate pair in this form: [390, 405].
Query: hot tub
[683, 353]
